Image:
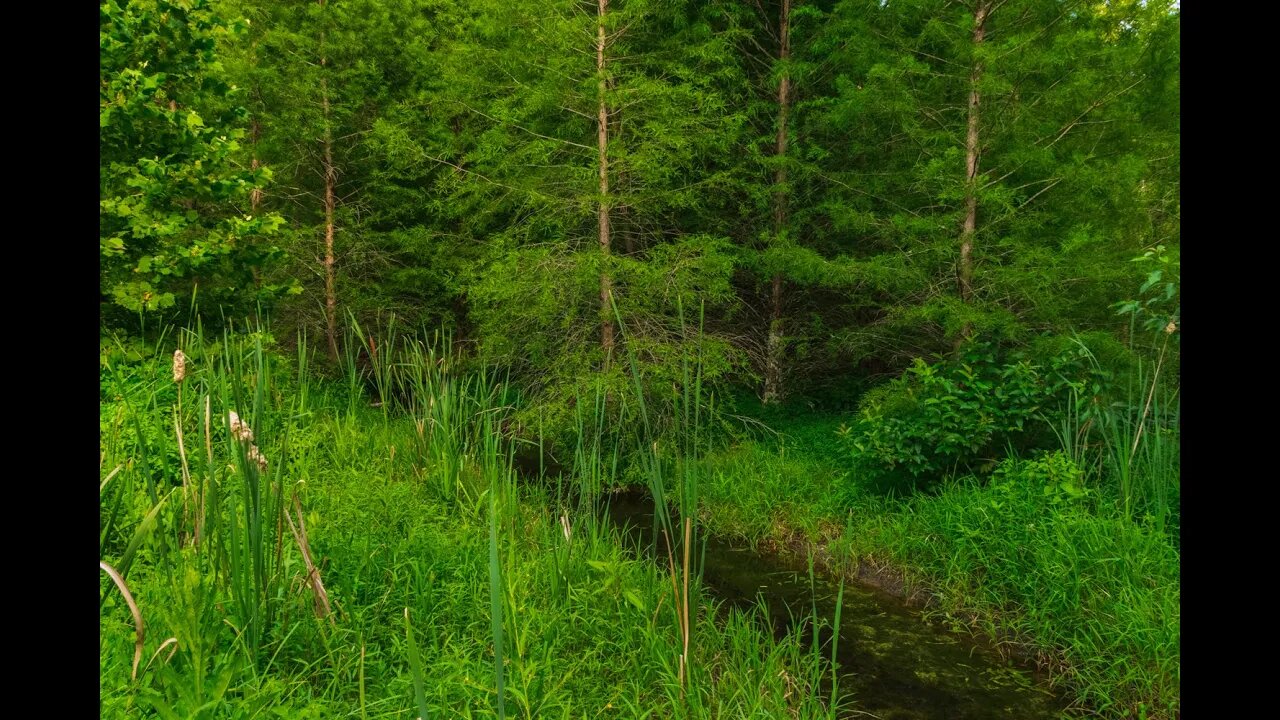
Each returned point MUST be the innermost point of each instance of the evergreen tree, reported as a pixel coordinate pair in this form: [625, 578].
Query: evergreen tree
[323, 74]
[987, 157]
[577, 173]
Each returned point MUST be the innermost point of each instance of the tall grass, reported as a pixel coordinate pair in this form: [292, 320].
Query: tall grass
[214, 506]
[497, 467]
[413, 505]
[1131, 442]
[254, 536]
[415, 375]
[679, 478]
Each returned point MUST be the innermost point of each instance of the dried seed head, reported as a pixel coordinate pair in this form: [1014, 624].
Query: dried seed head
[1170, 328]
[239, 430]
[256, 456]
[179, 367]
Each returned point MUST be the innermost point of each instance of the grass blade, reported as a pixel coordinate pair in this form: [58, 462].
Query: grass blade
[133, 608]
[495, 598]
[415, 663]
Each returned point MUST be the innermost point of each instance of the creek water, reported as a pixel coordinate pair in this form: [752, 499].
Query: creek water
[892, 664]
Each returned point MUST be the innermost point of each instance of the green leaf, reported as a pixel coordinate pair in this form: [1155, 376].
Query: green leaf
[1152, 278]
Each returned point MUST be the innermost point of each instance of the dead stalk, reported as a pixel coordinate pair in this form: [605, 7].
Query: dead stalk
[323, 609]
[182, 454]
[1142, 421]
[133, 608]
[110, 475]
[171, 641]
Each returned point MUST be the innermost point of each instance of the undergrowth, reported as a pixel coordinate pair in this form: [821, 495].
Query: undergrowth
[1060, 555]
[382, 561]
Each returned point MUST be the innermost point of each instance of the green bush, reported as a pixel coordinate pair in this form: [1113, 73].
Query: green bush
[958, 415]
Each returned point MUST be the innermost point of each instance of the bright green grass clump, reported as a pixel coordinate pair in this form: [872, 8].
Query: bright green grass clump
[443, 580]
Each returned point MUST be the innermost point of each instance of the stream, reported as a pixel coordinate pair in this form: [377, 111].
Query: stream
[892, 664]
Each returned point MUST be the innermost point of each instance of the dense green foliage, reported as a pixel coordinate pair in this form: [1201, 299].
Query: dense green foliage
[444, 161]
[948, 417]
[1030, 553]
[898, 280]
[174, 200]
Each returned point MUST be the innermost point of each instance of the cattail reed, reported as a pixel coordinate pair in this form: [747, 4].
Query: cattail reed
[255, 455]
[239, 429]
[179, 367]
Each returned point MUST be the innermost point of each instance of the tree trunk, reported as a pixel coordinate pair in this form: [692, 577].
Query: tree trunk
[618, 214]
[330, 275]
[972, 152]
[602, 143]
[774, 349]
[330, 179]
[773, 363]
[255, 195]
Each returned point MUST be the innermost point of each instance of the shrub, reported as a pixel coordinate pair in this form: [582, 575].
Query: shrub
[957, 415]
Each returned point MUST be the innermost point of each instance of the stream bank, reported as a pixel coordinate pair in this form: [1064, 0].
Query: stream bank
[893, 664]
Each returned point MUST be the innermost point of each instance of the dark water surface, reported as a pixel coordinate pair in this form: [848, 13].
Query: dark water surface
[893, 665]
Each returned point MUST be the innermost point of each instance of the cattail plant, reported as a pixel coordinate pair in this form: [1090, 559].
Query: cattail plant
[179, 367]
[253, 537]
[257, 458]
[240, 430]
[679, 537]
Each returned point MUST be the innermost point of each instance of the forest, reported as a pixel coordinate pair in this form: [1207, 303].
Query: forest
[639, 359]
